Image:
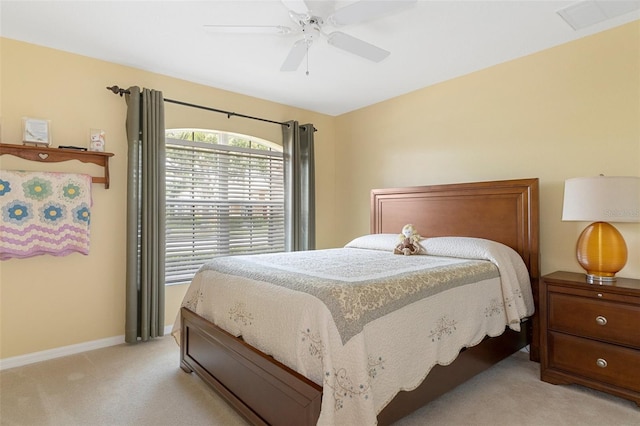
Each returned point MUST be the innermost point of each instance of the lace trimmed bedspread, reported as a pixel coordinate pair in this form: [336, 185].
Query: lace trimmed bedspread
[365, 323]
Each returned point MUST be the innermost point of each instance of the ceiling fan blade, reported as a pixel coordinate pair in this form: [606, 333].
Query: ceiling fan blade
[249, 29]
[295, 57]
[365, 10]
[356, 46]
[298, 6]
[321, 8]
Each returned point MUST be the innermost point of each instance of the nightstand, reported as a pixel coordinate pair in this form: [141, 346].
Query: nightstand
[590, 333]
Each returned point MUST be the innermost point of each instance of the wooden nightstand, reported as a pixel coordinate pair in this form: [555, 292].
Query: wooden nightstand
[590, 333]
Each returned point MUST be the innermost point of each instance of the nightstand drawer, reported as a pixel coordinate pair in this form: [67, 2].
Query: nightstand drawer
[595, 360]
[599, 319]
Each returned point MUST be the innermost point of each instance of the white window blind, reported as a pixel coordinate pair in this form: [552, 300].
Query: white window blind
[221, 200]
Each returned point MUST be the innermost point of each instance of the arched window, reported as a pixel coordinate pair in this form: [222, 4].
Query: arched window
[224, 195]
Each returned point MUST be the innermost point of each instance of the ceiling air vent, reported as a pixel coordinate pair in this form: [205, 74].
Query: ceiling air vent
[586, 13]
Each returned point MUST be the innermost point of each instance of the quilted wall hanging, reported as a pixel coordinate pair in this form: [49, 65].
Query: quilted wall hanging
[44, 213]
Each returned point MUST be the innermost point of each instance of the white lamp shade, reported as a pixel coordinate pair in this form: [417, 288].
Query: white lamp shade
[602, 199]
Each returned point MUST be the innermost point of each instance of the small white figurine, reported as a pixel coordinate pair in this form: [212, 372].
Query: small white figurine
[97, 141]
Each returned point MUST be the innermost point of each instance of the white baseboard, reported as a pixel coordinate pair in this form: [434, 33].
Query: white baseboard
[20, 360]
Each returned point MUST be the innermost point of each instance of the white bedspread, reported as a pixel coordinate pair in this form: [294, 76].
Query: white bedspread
[373, 353]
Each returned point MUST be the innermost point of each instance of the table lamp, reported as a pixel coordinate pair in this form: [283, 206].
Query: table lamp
[600, 249]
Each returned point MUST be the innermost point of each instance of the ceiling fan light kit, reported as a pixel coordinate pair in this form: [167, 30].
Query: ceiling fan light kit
[310, 25]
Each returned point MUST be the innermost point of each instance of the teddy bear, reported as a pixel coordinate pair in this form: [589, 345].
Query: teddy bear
[409, 241]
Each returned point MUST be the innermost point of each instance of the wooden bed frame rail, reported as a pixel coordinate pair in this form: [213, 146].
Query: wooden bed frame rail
[442, 379]
[243, 375]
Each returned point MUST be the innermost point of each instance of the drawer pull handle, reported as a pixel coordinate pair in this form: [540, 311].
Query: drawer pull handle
[602, 363]
[601, 320]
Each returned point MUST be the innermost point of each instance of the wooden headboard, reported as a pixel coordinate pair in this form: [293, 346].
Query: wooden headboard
[505, 211]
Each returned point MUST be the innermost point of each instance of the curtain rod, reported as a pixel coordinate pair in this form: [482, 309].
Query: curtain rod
[119, 91]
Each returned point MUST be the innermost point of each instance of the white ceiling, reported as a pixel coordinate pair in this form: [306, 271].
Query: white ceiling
[431, 42]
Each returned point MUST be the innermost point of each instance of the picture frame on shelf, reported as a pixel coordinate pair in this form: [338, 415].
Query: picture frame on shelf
[36, 131]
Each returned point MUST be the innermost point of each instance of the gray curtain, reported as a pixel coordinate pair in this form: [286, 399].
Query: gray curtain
[299, 181]
[145, 215]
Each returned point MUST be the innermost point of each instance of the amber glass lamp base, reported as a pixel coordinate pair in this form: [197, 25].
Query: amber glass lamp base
[601, 251]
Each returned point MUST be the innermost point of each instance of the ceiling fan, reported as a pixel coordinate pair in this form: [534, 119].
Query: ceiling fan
[310, 18]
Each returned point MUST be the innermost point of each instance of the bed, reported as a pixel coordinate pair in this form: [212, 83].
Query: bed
[267, 391]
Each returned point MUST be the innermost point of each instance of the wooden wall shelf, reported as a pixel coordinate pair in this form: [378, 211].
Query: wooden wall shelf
[55, 155]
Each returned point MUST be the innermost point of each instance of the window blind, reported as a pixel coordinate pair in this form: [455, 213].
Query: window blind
[220, 200]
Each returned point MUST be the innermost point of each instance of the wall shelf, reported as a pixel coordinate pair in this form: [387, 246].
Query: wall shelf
[55, 155]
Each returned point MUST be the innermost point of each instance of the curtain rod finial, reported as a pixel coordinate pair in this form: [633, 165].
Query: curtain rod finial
[117, 91]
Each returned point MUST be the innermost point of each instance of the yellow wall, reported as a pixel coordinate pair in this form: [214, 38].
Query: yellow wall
[573, 110]
[570, 111]
[48, 302]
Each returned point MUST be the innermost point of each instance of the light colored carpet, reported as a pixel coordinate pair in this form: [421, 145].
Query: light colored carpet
[143, 385]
